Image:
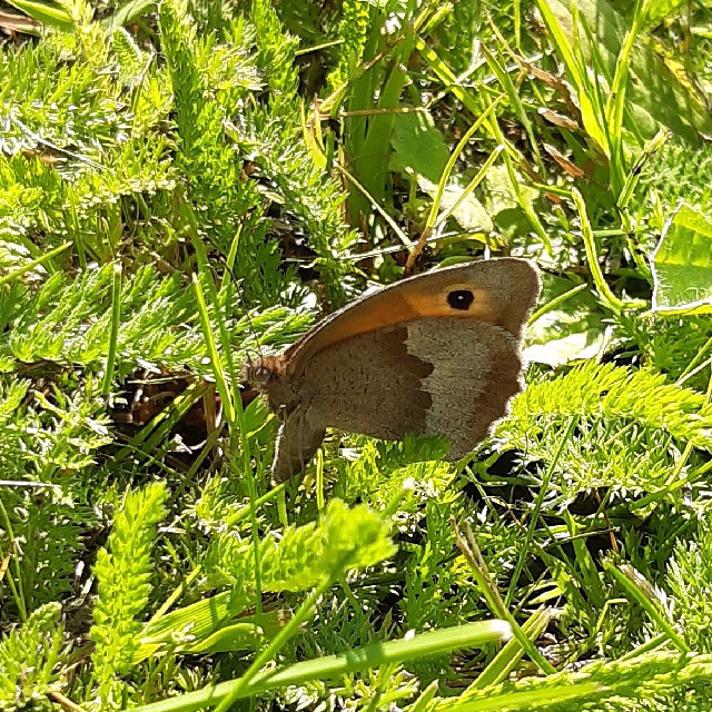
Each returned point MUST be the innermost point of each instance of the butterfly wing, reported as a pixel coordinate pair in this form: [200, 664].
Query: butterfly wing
[435, 354]
[298, 438]
[434, 376]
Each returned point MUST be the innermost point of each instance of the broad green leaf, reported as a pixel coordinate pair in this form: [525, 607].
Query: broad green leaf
[572, 331]
[656, 95]
[470, 214]
[418, 146]
[207, 625]
[682, 265]
[500, 195]
[130, 11]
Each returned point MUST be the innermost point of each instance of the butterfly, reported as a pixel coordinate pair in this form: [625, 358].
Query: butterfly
[436, 354]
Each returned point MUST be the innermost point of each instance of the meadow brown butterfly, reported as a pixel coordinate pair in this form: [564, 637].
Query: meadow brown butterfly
[435, 354]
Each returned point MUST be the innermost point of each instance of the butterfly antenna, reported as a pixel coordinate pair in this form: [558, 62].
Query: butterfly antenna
[251, 329]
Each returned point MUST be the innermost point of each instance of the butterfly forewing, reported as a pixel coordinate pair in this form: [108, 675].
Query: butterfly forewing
[499, 292]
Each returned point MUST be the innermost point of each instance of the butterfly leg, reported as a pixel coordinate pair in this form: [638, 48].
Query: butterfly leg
[298, 439]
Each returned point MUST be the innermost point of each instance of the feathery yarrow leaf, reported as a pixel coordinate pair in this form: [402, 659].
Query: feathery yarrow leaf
[123, 570]
[604, 390]
[629, 424]
[353, 32]
[276, 54]
[301, 557]
[620, 682]
[29, 657]
[689, 578]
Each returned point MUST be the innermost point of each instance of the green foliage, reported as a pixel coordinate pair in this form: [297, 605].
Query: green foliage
[276, 54]
[48, 437]
[617, 685]
[302, 557]
[384, 474]
[680, 171]
[353, 33]
[30, 661]
[12, 393]
[594, 391]
[461, 30]
[666, 344]
[661, 98]
[129, 56]
[197, 66]
[682, 264]
[45, 441]
[227, 207]
[289, 153]
[688, 578]
[67, 322]
[629, 424]
[123, 570]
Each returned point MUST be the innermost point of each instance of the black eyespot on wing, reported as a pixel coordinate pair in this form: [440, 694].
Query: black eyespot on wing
[461, 299]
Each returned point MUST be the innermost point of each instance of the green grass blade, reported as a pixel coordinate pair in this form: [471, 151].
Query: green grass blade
[114, 333]
[509, 656]
[615, 104]
[32, 264]
[218, 372]
[591, 110]
[416, 647]
[589, 242]
[634, 585]
[516, 104]
[47, 13]
[538, 502]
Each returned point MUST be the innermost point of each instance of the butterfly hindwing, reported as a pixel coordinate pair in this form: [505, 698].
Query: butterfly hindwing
[438, 376]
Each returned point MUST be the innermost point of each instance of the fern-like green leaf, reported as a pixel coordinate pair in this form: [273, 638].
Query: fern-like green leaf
[689, 577]
[629, 424]
[610, 686]
[130, 57]
[123, 570]
[29, 657]
[276, 53]
[353, 30]
[302, 557]
[594, 391]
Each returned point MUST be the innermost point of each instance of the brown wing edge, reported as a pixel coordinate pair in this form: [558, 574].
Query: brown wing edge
[504, 382]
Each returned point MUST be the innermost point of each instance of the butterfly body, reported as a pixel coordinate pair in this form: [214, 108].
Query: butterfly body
[436, 354]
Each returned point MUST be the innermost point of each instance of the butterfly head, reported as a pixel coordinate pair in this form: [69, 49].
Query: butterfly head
[268, 375]
[264, 370]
